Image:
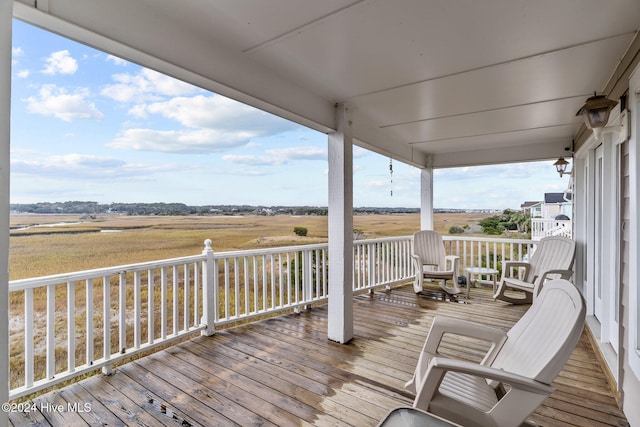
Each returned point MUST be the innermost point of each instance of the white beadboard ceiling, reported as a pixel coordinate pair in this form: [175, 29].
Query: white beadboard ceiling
[432, 82]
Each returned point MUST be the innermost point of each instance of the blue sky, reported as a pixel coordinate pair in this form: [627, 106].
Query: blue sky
[89, 126]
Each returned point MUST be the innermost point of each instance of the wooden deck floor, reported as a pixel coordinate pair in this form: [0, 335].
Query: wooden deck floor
[284, 371]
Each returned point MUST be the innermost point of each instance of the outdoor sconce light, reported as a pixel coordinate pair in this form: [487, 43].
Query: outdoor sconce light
[561, 166]
[595, 113]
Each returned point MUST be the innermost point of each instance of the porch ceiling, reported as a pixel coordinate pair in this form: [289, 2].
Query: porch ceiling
[431, 82]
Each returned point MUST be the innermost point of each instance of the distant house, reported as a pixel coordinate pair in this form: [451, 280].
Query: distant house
[552, 217]
[534, 209]
[556, 204]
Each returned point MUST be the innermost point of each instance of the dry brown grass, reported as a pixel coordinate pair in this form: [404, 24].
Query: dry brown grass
[43, 251]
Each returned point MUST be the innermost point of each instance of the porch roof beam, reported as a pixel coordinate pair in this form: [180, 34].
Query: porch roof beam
[489, 156]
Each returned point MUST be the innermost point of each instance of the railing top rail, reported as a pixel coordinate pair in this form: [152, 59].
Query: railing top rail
[488, 239]
[22, 284]
[269, 251]
[282, 249]
[33, 282]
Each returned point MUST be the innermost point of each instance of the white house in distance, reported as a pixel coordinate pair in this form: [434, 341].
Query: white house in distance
[551, 217]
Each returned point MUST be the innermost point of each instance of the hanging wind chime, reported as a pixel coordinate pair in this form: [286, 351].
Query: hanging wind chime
[391, 174]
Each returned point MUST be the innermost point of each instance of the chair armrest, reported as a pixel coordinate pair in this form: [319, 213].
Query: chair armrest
[514, 380]
[508, 265]
[443, 325]
[453, 261]
[439, 366]
[564, 274]
[539, 283]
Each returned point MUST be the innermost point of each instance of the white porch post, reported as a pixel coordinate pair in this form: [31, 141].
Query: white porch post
[426, 198]
[6, 15]
[340, 322]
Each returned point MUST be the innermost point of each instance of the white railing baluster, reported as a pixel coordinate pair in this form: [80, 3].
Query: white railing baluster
[28, 337]
[106, 323]
[122, 311]
[272, 270]
[237, 283]
[281, 287]
[175, 305]
[136, 310]
[151, 307]
[265, 283]
[186, 289]
[71, 326]
[163, 303]
[51, 331]
[89, 321]
[196, 293]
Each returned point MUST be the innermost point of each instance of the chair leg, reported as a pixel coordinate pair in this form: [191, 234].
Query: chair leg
[453, 289]
[500, 295]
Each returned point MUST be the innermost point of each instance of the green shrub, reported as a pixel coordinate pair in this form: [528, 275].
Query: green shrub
[456, 229]
[300, 231]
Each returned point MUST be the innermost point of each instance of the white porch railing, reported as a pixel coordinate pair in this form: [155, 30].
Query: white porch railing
[541, 227]
[78, 322]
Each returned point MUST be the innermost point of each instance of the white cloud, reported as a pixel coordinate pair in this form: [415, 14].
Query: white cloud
[249, 159]
[219, 112]
[278, 156]
[23, 74]
[15, 53]
[60, 62]
[81, 166]
[138, 111]
[117, 61]
[174, 141]
[299, 153]
[57, 102]
[145, 86]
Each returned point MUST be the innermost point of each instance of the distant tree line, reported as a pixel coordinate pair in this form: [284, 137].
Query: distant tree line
[94, 208]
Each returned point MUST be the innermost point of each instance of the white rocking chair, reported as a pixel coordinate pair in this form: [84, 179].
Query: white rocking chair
[515, 376]
[552, 259]
[431, 262]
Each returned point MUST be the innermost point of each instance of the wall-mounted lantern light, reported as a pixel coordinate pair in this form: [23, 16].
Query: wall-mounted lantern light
[595, 111]
[561, 166]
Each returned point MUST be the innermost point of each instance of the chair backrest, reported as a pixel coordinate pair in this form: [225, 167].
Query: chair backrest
[552, 253]
[428, 245]
[540, 343]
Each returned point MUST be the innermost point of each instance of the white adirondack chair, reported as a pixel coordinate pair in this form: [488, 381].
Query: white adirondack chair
[431, 262]
[515, 376]
[552, 259]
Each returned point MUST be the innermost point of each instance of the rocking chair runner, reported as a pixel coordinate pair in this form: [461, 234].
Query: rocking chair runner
[515, 376]
[553, 258]
[431, 262]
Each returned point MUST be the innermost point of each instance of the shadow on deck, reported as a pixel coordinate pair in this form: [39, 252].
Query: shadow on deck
[284, 371]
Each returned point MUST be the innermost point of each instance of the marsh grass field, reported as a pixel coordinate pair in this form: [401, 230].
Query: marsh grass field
[42, 245]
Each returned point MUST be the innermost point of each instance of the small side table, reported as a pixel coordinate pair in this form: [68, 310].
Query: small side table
[481, 271]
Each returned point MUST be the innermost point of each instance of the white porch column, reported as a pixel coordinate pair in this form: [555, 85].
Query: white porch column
[6, 14]
[340, 322]
[426, 198]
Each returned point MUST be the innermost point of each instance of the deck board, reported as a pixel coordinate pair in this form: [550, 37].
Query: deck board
[283, 371]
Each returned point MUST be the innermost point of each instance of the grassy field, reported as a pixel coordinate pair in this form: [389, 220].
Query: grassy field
[110, 240]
